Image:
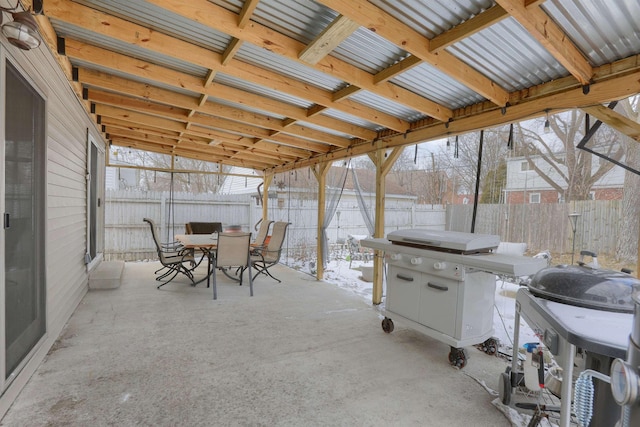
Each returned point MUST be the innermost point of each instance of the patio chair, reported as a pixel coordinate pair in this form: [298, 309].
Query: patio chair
[263, 259]
[263, 231]
[172, 256]
[233, 252]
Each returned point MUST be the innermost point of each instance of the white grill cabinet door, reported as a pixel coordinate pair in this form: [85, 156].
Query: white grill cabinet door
[476, 306]
[439, 304]
[403, 292]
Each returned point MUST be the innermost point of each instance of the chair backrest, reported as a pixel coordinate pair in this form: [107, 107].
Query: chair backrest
[263, 231]
[204, 227]
[156, 239]
[187, 228]
[233, 249]
[272, 252]
[154, 233]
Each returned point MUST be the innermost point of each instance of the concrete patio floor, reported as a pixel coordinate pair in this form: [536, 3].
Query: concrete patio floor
[299, 353]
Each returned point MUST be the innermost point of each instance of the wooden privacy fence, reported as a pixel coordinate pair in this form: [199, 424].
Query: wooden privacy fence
[546, 226]
[540, 226]
[127, 237]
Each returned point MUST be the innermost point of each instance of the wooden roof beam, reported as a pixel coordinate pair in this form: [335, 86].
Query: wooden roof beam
[615, 120]
[223, 20]
[345, 92]
[233, 48]
[550, 35]
[382, 23]
[172, 78]
[330, 38]
[127, 87]
[245, 14]
[474, 25]
[613, 83]
[122, 30]
[398, 68]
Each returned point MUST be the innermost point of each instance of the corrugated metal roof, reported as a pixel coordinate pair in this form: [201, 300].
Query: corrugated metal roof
[237, 83]
[243, 107]
[617, 23]
[111, 71]
[431, 83]
[320, 128]
[301, 20]
[368, 51]
[431, 18]
[386, 106]
[351, 119]
[159, 19]
[70, 31]
[505, 53]
[523, 62]
[263, 58]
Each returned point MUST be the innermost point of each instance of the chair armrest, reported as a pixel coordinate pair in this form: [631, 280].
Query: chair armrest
[171, 246]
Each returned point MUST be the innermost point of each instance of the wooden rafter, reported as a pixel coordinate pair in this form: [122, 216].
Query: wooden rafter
[165, 76]
[385, 25]
[613, 84]
[473, 25]
[551, 36]
[128, 32]
[615, 120]
[247, 10]
[397, 68]
[223, 20]
[334, 34]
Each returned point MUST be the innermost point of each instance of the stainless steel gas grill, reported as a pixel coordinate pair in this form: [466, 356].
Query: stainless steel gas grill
[442, 283]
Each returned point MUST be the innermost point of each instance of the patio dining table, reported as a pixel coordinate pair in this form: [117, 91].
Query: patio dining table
[207, 244]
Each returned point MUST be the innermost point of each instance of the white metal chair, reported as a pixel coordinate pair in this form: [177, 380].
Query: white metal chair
[263, 232]
[262, 259]
[233, 252]
[172, 256]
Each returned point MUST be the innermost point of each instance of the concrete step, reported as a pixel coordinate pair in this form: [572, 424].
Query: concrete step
[107, 275]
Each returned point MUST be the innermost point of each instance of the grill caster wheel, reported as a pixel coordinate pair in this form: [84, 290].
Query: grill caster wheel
[490, 346]
[387, 325]
[458, 357]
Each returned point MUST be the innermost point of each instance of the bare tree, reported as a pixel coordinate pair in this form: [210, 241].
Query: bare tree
[463, 168]
[574, 167]
[627, 249]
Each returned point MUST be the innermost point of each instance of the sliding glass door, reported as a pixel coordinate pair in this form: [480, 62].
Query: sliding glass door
[24, 216]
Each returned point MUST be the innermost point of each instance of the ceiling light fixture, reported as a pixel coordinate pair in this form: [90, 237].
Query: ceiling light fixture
[22, 31]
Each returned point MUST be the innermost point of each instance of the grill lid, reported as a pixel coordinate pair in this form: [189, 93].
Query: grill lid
[584, 286]
[445, 240]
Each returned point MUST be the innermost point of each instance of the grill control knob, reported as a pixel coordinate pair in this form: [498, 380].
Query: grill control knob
[440, 265]
[416, 261]
[396, 257]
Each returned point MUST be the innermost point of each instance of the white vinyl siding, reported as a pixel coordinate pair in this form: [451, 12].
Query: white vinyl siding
[65, 200]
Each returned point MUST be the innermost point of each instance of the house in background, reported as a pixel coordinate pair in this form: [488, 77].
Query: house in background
[525, 185]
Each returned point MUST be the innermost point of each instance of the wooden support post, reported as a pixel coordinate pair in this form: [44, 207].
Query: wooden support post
[320, 172]
[265, 195]
[383, 166]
